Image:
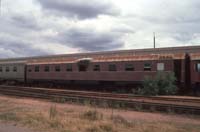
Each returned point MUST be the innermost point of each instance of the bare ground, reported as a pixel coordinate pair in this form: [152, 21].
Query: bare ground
[10, 127]
[48, 116]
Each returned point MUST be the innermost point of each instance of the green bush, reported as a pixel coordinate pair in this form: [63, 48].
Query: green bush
[166, 83]
[149, 87]
[162, 84]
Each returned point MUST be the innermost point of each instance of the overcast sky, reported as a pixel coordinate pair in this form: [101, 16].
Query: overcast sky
[43, 27]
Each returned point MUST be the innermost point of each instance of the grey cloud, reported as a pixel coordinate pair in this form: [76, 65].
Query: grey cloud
[184, 37]
[168, 12]
[16, 36]
[19, 25]
[79, 8]
[183, 33]
[174, 22]
[13, 48]
[91, 40]
[173, 19]
[25, 22]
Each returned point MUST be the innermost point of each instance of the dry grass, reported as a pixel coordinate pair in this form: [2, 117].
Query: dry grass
[64, 119]
[92, 115]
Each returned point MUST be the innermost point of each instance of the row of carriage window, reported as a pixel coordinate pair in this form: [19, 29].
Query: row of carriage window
[111, 67]
[14, 69]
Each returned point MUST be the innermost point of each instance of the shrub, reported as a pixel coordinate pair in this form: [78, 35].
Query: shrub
[166, 83]
[117, 119]
[9, 116]
[92, 115]
[106, 127]
[59, 100]
[55, 124]
[101, 128]
[162, 84]
[52, 112]
[149, 86]
[93, 129]
[34, 119]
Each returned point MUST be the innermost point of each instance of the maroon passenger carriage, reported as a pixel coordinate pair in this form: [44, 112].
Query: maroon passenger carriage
[111, 70]
[122, 68]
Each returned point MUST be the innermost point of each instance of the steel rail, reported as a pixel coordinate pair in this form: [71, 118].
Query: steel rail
[101, 94]
[127, 102]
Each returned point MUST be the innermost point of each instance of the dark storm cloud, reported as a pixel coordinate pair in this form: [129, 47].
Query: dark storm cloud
[11, 48]
[91, 40]
[81, 9]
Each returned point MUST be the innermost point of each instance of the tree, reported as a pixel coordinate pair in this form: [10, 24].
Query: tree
[149, 87]
[162, 84]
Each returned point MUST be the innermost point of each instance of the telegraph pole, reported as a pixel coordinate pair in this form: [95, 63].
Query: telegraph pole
[154, 40]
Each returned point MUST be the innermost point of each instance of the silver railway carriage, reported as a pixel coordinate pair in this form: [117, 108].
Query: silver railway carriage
[13, 70]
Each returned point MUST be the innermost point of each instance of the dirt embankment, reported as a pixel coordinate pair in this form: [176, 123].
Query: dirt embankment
[41, 115]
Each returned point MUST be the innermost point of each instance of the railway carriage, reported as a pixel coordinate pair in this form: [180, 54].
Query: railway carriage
[121, 68]
[195, 68]
[112, 69]
[12, 70]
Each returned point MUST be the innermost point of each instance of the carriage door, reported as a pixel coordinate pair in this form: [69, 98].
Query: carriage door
[177, 70]
[83, 64]
[187, 72]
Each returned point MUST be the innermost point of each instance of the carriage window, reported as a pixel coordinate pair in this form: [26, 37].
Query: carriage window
[15, 69]
[37, 68]
[46, 68]
[1, 69]
[96, 68]
[69, 67]
[160, 67]
[129, 67]
[147, 67]
[198, 67]
[7, 69]
[57, 68]
[83, 68]
[112, 67]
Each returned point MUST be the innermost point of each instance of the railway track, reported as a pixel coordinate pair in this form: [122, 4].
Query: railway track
[101, 94]
[177, 105]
